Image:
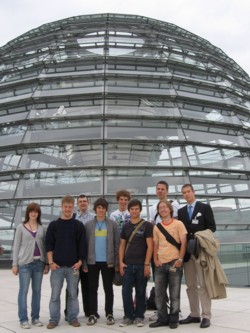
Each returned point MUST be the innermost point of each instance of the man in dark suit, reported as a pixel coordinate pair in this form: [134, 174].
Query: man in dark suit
[196, 216]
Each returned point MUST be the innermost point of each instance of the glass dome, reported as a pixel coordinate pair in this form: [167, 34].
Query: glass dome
[92, 104]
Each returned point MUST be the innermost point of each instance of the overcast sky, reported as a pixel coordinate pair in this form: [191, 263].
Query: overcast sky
[224, 23]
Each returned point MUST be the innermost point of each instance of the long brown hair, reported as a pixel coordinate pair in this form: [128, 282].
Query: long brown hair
[168, 204]
[30, 208]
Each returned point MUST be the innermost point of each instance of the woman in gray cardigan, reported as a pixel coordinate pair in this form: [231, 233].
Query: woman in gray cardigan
[29, 261]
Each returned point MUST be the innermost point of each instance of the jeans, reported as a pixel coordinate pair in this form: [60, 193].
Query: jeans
[107, 279]
[56, 281]
[30, 272]
[85, 294]
[165, 278]
[134, 277]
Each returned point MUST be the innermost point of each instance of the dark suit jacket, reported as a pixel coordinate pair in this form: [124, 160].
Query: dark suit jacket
[205, 220]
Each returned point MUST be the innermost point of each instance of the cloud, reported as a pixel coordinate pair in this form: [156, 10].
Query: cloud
[224, 23]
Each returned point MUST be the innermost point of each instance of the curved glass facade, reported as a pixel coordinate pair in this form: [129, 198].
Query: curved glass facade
[95, 103]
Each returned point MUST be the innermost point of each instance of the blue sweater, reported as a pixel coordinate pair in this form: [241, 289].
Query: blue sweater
[67, 240]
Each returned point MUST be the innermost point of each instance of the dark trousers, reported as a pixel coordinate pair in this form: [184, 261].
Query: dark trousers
[134, 277]
[83, 278]
[107, 280]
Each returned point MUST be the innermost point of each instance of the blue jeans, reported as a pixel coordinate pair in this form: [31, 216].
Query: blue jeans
[165, 278]
[134, 277]
[30, 272]
[56, 281]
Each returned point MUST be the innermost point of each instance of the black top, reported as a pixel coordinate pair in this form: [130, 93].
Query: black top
[202, 219]
[136, 253]
[67, 240]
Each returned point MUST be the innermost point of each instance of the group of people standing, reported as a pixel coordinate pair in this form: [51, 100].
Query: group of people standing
[79, 246]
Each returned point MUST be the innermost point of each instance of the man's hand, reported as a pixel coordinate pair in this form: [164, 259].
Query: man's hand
[122, 268]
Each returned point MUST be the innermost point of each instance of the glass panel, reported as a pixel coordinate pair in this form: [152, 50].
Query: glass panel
[61, 156]
[46, 184]
[63, 134]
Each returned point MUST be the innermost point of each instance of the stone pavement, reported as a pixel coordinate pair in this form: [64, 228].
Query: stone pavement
[231, 315]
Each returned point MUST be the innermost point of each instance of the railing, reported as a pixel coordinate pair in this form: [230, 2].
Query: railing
[235, 259]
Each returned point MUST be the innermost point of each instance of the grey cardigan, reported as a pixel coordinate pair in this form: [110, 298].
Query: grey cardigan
[24, 245]
[113, 242]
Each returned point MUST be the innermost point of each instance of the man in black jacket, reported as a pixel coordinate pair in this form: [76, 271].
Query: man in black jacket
[196, 216]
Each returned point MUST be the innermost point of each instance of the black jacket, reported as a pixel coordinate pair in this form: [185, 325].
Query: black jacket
[204, 216]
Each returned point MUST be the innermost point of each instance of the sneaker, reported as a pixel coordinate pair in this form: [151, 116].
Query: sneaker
[154, 317]
[37, 323]
[110, 319]
[75, 323]
[126, 322]
[51, 325]
[25, 324]
[97, 315]
[138, 322]
[92, 320]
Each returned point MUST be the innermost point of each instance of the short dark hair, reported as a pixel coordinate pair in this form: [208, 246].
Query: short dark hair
[162, 182]
[187, 185]
[30, 208]
[82, 196]
[101, 202]
[169, 205]
[134, 202]
[122, 193]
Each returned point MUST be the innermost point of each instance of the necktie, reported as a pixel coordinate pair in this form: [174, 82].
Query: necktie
[190, 212]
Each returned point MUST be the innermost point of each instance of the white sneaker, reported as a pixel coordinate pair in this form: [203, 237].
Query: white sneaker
[154, 317]
[25, 324]
[92, 320]
[37, 323]
[126, 322]
[110, 320]
[138, 322]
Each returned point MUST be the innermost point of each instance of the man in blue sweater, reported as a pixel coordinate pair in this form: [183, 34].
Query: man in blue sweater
[66, 249]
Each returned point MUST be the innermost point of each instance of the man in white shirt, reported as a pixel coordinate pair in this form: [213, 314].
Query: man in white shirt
[162, 195]
[83, 215]
[121, 215]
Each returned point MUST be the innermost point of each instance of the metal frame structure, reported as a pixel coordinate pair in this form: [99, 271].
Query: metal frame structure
[91, 104]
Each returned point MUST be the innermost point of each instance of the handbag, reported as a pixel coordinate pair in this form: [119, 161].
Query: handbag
[117, 280]
[193, 247]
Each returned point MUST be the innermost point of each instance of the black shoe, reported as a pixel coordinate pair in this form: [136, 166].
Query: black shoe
[97, 315]
[190, 320]
[205, 323]
[158, 324]
[173, 325]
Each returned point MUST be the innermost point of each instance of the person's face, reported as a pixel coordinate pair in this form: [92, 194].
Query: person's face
[82, 204]
[134, 212]
[123, 203]
[100, 212]
[33, 215]
[164, 210]
[67, 210]
[188, 194]
[161, 191]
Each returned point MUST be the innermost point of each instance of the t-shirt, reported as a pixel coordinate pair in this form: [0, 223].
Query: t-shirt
[136, 253]
[154, 216]
[167, 251]
[120, 217]
[101, 241]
